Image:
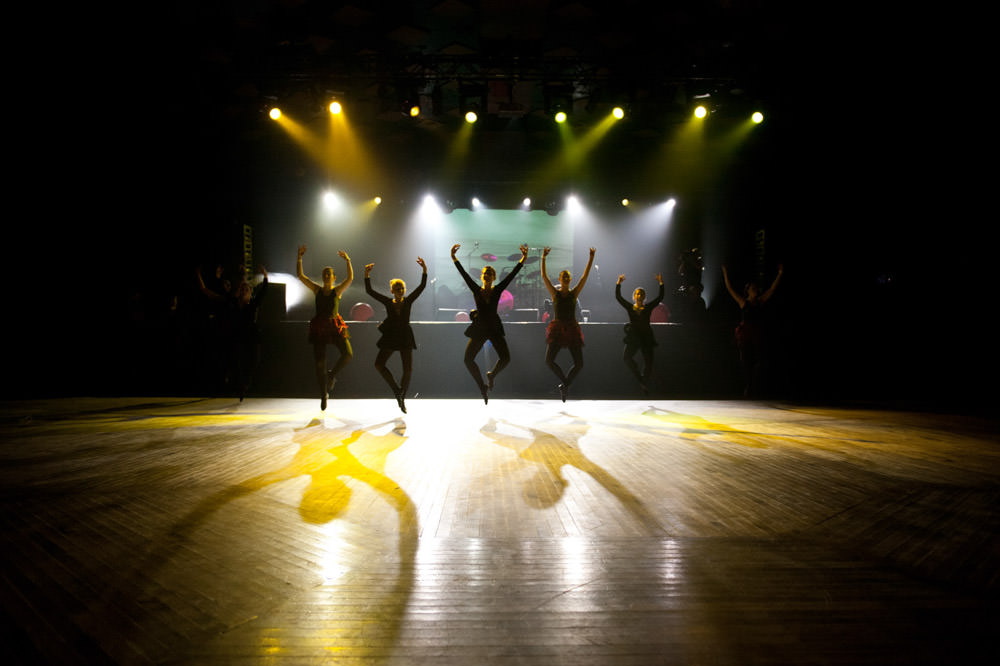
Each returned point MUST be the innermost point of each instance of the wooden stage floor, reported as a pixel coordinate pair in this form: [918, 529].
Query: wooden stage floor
[190, 531]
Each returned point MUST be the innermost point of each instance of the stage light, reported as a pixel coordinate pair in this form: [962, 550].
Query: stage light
[757, 117]
[700, 112]
[561, 117]
[275, 113]
[626, 203]
[476, 203]
[671, 202]
[414, 111]
[378, 201]
[335, 108]
[573, 203]
[526, 203]
[471, 117]
[618, 112]
[331, 200]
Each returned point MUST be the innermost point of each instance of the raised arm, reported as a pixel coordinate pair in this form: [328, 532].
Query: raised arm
[342, 287]
[461, 271]
[729, 287]
[618, 293]
[586, 273]
[659, 296]
[774, 285]
[423, 280]
[211, 295]
[312, 286]
[545, 274]
[510, 276]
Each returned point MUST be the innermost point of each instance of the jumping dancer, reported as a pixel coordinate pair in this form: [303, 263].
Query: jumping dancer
[486, 324]
[327, 327]
[564, 330]
[397, 334]
[638, 331]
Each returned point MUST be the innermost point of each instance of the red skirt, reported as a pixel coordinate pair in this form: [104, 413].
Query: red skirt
[564, 333]
[324, 330]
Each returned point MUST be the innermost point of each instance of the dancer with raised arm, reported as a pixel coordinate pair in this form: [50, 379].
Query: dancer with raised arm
[242, 346]
[327, 327]
[397, 334]
[752, 336]
[638, 331]
[564, 330]
[486, 323]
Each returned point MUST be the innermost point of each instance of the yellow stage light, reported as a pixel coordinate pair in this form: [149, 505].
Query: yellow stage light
[378, 200]
[414, 111]
[471, 117]
[757, 117]
[626, 202]
[561, 117]
[335, 108]
[275, 113]
[700, 112]
[618, 112]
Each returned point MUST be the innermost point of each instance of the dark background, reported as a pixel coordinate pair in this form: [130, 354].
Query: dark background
[150, 151]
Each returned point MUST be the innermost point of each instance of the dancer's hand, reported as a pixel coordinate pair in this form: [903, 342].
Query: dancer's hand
[343, 255]
[659, 278]
[368, 269]
[593, 251]
[423, 264]
[524, 251]
[454, 249]
[621, 278]
[302, 250]
[545, 251]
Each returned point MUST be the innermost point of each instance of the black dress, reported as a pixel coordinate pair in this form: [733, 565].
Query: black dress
[327, 326]
[638, 331]
[395, 328]
[486, 322]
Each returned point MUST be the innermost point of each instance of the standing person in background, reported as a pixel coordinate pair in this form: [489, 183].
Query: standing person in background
[327, 327]
[638, 331]
[486, 323]
[397, 334]
[564, 330]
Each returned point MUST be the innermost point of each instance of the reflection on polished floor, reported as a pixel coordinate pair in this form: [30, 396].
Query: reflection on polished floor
[185, 531]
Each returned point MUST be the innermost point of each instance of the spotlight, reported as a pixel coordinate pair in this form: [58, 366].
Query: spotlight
[700, 112]
[471, 117]
[757, 117]
[618, 112]
[561, 117]
[526, 204]
[378, 201]
[335, 107]
[275, 113]
[626, 203]
[414, 111]
[476, 203]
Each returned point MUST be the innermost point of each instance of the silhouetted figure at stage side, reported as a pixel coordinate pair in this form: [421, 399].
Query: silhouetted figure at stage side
[686, 303]
[397, 334]
[327, 327]
[564, 329]
[486, 323]
[638, 331]
[241, 345]
[753, 334]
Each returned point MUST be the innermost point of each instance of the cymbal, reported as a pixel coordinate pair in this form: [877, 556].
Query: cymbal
[514, 257]
[517, 257]
[486, 256]
[531, 260]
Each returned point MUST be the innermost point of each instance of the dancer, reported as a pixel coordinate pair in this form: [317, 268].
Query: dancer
[564, 330]
[242, 344]
[397, 334]
[638, 331]
[327, 327]
[752, 336]
[486, 324]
